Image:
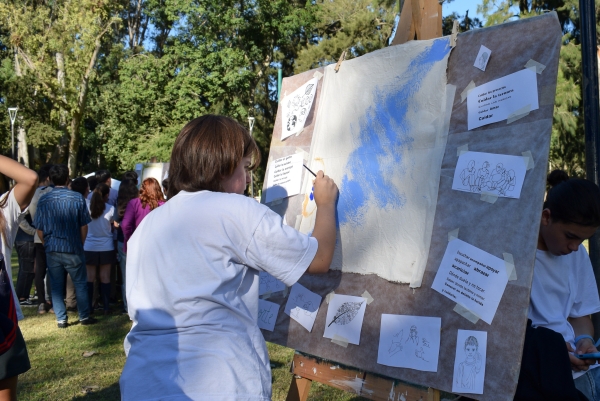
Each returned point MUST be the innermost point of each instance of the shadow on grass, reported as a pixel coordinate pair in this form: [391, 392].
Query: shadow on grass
[109, 393]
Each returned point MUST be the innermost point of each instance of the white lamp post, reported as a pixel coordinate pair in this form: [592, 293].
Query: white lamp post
[12, 113]
[251, 124]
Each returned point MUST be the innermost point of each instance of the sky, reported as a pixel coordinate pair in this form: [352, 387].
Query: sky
[461, 7]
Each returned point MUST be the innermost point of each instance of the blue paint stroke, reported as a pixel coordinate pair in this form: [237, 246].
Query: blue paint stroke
[383, 136]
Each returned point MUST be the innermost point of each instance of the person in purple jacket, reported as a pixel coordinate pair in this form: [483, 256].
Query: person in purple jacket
[151, 197]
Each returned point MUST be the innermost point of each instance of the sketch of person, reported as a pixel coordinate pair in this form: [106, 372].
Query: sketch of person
[396, 345]
[467, 176]
[497, 176]
[413, 335]
[420, 354]
[466, 371]
[307, 308]
[424, 342]
[482, 176]
[483, 60]
[509, 182]
[291, 123]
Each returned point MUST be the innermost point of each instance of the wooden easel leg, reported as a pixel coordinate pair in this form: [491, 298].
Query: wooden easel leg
[433, 394]
[299, 389]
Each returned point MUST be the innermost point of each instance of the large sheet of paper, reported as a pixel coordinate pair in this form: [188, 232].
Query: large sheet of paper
[284, 178]
[497, 100]
[469, 364]
[501, 175]
[296, 108]
[380, 135]
[472, 278]
[345, 318]
[410, 342]
[302, 306]
[269, 284]
[267, 314]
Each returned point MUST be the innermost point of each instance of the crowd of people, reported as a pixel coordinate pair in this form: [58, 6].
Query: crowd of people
[72, 241]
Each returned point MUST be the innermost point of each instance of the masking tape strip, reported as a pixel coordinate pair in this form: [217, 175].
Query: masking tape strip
[467, 314]
[528, 158]
[546, 95]
[509, 261]
[329, 296]
[518, 114]
[532, 69]
[367, 297]
[539, 67]
[339, 340]
[466, 91]
[489, 197]
[455, 26]
[452, 235]
[462, 149]
[318, 75]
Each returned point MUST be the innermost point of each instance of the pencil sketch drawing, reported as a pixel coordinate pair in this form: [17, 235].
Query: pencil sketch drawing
[467, 370]
[298, 107]
[483, 60]
[396, 345]
[500, 181]
[346, 313]
[413, 336]
[419, 353]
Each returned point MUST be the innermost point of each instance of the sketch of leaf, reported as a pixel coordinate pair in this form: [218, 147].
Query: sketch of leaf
[308, 89]
[346, 313]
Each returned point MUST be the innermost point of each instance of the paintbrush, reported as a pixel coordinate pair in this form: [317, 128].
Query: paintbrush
[309, 170]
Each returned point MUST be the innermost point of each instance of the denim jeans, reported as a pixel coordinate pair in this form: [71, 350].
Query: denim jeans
[60, 264]
[122, 264]
[589, 384]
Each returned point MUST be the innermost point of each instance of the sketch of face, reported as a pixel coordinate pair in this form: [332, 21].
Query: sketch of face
[486, 164]
[292, 122]
[413, 331]
[500, 168]
[471, 165]
[470, 350]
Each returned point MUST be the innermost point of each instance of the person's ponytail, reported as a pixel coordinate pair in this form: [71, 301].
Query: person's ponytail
[97, 203]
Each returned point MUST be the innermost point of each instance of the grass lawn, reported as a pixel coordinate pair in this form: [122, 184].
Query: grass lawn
[60, 372]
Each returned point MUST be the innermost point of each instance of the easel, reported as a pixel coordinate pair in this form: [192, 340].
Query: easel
[420, 19]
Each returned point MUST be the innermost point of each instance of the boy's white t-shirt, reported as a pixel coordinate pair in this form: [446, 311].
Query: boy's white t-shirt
[563, 287]
[192, 292]
[100, 237]
[13, 216]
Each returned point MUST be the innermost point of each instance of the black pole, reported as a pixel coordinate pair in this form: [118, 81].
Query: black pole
[591, 118]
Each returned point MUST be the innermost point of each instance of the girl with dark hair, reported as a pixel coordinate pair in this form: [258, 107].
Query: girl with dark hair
[564, 292]
[127, 191]
[13, 353]
[192, 271]
[99, 247]
[151, 197]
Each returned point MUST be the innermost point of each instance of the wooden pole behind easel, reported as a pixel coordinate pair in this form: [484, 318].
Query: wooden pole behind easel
[420, 19]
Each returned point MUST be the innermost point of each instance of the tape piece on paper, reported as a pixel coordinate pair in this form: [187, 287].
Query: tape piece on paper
[339, 340]
[367, 297]
[528, 159]
[462, 149]
[467, 314]
[452, 235]
[539, 67]
[329, 296]
[318, 75]
[509, 261]
[489, 197]
[518, 114]
[466, 91]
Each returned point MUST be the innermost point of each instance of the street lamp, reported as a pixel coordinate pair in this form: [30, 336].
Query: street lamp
[12, 113]
[251, 124]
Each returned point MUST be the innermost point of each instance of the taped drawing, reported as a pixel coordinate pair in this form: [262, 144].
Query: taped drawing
[379, 135]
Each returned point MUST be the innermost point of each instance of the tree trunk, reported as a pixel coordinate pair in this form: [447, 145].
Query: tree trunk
[74, 143]
[22, 151]
[61, 149]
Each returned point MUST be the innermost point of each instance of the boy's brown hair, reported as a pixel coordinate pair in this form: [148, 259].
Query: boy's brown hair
[207, 150]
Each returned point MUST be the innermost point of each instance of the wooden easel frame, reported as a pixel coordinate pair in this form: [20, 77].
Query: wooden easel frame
[420, 19]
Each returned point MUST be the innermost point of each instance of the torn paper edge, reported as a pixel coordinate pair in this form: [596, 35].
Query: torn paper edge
[462, 149]
[518, 114]
[489, 197]
[339, 340]
[528, 159]
[466, 313]
[329, 296]
[367, 297]
[466, 91]
[452, 235]
[509, 261]
[539, 67]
